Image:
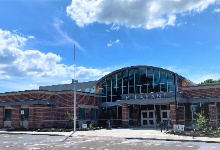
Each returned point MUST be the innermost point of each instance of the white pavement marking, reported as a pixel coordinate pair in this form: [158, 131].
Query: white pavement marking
[178, 145]
[83, 147]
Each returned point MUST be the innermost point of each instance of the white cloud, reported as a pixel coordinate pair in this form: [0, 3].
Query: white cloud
[113, 27]
[86, 73]
[217, 10]
[133, 13]
[105, 73]
[66, 82]
[31, 37]
[23, 63]
[201, 78]
[111, 43]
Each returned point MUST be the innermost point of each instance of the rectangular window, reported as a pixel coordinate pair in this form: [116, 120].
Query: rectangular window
[81, 115]
[7, 115]
[93, 114]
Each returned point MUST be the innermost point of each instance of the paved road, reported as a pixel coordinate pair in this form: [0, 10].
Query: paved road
[23, 141]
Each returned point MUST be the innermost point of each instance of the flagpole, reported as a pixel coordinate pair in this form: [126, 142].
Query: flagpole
[74, 90]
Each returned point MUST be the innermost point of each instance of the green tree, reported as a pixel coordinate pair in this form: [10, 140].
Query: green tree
[200, 121]
[210, 81]
[71, 118]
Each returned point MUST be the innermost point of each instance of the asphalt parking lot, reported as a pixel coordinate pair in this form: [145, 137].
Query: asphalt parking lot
[31, 142]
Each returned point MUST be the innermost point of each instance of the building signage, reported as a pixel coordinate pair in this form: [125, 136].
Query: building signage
[147, 96]
[22, 112]
[84, 126]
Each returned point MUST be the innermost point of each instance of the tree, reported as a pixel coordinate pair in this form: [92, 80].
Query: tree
[71, 118]
[201, 121]
[210, 81]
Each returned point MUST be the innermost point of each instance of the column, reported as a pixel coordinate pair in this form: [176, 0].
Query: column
[212, 111]
[181, 114]
[125, 121]
[136, 115]
[172, 113]
[2, 117]
[15, 116]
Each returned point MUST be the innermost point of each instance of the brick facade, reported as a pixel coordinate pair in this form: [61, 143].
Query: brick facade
[212, 111]
[125, 121]
[136, 116]
[48, 115]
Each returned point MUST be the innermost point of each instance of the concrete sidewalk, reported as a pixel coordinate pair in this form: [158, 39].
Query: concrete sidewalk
[128, 133]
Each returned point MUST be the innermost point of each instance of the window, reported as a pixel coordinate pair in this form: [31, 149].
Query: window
[81, 115]
[7, 114]
[93, 114]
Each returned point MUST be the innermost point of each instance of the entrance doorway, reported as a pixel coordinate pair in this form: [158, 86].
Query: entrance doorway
[165, 116]
[147, 118]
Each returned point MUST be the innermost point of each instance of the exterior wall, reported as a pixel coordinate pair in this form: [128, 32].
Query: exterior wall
[202, 91]
[49, 115]
[179, 83]
[125, 121]
[172, 113]
[136, 116]
[212, 111]
[1, 117]
[180, 113]
[15, 116]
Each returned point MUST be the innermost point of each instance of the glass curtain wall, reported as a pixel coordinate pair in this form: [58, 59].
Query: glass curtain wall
[135, 82]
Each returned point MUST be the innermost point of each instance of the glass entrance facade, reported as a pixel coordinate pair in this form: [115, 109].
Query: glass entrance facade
[135, 81]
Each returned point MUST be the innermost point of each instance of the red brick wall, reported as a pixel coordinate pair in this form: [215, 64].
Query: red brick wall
[212, 111]
[49, 115]
[15, 116]
[179, 82]
[211, 92]
[125, 121]
[172, 113]
[136, 115]
[1, 117]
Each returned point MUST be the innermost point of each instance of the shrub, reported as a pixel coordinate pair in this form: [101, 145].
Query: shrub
[200, 121]
[91, 126]
[219, 129]
[71, 118]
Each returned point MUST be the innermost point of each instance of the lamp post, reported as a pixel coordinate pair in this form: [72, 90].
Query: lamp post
[177, 122]
[74, 91]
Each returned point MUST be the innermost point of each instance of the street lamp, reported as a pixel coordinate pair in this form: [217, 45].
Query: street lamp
[74, 91]
[177, 122]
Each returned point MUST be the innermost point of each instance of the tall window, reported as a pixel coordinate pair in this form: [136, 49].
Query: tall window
[150, 80]
[81, 115]
[93, 114]
[125, 82]
[7, 115]
[163, 82]
[102, 91]
[156, 81]
[170, 79]
[131, 82]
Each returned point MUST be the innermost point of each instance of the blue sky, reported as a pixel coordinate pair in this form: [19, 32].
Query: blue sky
[37, 39]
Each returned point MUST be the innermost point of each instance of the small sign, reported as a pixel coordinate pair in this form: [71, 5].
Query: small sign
[84, 126]
[22, 112]
[178, 127]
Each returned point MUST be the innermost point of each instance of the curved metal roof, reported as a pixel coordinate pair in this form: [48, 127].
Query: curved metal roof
[144, 67]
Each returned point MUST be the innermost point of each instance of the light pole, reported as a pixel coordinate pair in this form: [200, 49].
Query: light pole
[74, 90]
[177, 122]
